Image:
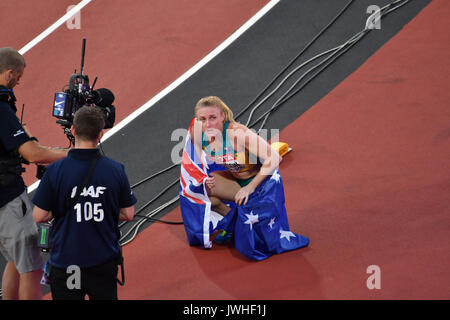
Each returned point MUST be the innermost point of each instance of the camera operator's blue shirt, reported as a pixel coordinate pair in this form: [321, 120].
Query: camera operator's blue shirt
[88, 234]
[12, 136]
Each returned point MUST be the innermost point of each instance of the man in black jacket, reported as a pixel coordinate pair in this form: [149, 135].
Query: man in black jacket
[18, 231]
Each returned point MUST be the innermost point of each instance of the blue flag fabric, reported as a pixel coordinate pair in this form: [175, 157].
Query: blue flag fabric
[260, 227]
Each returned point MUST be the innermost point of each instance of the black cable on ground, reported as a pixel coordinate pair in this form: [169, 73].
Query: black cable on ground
[152, 200]
[159, 220]
[286, 96]
[356, 38]
[295, 59]
[154, 175]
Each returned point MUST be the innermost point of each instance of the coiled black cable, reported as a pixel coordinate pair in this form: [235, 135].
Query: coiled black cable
[295, 58]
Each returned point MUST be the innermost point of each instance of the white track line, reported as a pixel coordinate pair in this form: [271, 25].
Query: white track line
[191, 71]
[54, 26]
[185, 76]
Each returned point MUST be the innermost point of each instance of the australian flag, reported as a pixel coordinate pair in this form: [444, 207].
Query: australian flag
[260, 227]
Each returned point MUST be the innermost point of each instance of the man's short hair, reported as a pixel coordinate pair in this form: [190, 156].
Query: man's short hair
[11, 59]
[88, 122]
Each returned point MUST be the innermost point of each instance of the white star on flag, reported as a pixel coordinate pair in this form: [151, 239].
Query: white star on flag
[272, 221]
[215, 218]
[286, 234]
[276, 176]
[252, 219]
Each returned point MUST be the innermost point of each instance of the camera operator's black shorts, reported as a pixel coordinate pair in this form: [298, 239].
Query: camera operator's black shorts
[98, 283]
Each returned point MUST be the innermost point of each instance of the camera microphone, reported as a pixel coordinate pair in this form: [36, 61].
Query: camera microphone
[103, 97]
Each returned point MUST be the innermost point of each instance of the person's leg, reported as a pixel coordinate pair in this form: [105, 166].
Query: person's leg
[18, 235]
[10, 277]
[10, 282]
[30, 285]
[59, 288]
[27, 256]
[226, 186]
[24, 286]
[219, 206]
[101, 281]
[225, 189]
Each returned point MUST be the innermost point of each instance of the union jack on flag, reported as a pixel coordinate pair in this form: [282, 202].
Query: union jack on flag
[194, 200]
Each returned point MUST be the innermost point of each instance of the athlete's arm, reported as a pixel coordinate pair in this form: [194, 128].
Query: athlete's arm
[262, 149]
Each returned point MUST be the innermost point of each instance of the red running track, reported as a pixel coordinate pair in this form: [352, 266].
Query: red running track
[23, 20]
[368, 182]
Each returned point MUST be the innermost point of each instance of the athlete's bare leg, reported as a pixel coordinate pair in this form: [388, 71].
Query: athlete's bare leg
[225, 189]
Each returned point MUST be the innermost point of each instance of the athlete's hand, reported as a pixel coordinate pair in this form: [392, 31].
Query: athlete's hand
[242, 195]
[210, 182]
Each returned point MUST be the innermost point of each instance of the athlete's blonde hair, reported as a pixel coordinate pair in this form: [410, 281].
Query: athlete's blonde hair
[213, 101]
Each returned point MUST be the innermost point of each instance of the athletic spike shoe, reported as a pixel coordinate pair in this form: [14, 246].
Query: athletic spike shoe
[223, 237]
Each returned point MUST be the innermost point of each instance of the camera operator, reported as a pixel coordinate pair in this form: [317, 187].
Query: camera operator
[85, 233]
[18, 232]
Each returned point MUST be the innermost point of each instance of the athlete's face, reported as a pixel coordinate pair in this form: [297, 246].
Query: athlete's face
[212, 120]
